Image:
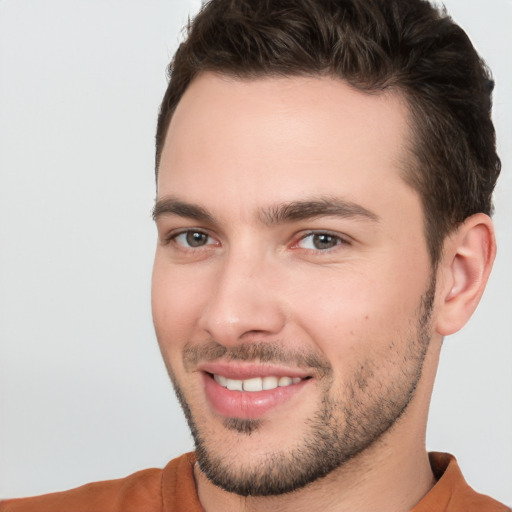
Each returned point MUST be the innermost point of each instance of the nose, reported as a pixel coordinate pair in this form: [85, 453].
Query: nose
[244, 302]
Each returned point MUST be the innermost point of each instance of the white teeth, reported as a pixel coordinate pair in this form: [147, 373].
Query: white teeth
[256, 383]
[269, 382]
[221, 380]
[284, 381]
[234, 385]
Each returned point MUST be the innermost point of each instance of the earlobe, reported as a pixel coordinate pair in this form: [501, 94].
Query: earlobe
[465, 267]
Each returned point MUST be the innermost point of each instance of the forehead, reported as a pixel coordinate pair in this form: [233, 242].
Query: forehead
[281, 137]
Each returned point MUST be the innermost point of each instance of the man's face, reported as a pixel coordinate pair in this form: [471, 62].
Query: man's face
[292, 287]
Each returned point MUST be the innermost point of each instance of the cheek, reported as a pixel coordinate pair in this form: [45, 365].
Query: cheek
[351, 315]
[175, 300]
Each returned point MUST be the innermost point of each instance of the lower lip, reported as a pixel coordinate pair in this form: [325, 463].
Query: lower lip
[247, 404]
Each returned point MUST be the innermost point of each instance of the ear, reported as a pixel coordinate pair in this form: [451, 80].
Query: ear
[463, 272]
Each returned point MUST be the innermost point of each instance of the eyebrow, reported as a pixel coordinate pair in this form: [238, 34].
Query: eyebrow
[273, 215]
[323, 207]
[173, 206]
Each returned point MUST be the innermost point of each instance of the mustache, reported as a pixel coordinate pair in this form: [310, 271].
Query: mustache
[267, 352]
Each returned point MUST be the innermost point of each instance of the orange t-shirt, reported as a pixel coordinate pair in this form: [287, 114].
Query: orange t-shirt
[173, 490]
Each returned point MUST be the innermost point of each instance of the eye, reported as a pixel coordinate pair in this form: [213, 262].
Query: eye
[319, 241]
[192, 239]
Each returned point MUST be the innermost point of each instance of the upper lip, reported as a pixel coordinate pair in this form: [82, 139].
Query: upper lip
[242, 371]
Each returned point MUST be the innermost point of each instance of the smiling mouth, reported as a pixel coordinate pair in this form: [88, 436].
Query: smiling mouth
[256, 384]
[250, 392]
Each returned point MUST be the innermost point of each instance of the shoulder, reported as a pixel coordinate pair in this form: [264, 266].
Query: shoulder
[451, 493]
[139, 491]
[150, 490]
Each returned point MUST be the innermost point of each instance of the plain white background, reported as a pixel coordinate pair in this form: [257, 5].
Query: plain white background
[83, 393]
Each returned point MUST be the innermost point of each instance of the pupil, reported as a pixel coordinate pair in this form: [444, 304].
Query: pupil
[195, 239]
[324, 241]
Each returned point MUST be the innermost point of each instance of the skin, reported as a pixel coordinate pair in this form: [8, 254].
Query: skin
[239, 150]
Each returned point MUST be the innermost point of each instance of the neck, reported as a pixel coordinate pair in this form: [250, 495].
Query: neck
[388, 481]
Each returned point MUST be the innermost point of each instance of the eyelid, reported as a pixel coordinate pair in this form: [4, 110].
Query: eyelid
[341, 239]
[172, 235]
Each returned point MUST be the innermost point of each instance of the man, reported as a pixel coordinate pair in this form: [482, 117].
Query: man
[324, 182]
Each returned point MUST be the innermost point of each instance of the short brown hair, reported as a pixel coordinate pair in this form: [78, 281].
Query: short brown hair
[407, 46]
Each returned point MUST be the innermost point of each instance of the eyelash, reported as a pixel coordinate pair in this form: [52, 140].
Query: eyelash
[172, 238]
[336, 238]
[339, 240]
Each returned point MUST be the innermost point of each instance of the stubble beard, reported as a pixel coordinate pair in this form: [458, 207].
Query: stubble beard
[328, 443]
